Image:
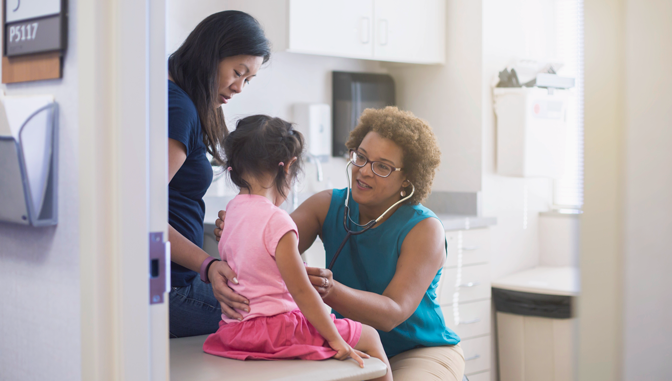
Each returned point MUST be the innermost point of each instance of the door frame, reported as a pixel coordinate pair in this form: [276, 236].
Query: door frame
[123, 186]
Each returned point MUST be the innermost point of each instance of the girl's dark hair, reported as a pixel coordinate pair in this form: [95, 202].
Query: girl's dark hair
[194, 66]
[258, 145]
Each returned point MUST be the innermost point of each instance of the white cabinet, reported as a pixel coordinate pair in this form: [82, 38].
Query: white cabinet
[465, 284]
[409, 31]
[464, 295]
[384, 30]
[336, 28]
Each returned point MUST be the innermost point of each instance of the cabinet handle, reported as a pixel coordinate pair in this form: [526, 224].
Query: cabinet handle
[472, 321]
[469, 248]
[470, 284]
[364, 30]
[474, 357]
[382, 31]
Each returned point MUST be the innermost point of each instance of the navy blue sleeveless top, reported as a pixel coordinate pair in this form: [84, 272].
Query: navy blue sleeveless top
[368, 262]
[186, 209]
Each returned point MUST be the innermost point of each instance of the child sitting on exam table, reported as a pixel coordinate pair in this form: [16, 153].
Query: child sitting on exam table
[287, 318]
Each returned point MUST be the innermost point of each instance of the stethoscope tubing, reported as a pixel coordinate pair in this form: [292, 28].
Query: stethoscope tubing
[349, 232]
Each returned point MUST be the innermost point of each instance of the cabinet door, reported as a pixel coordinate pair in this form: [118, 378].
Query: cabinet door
[331, 27]
[409, 31]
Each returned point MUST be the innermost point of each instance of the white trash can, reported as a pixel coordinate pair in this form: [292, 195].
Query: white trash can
[536, 327]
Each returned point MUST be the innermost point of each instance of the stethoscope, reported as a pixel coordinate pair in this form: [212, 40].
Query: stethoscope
[365, 227]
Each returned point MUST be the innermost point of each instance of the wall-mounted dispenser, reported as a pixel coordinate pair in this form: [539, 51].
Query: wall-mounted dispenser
[313, 120]
[352, 93]
[531, 131]
[29, 160]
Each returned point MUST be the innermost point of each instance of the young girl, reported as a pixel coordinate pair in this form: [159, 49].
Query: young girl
[286, 317]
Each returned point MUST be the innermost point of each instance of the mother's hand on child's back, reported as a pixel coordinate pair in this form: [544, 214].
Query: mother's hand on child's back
[219, 274]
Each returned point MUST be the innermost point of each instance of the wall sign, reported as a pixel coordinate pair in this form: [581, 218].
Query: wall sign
[34, 26]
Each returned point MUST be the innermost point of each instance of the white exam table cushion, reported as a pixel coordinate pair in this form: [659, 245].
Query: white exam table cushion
[189, 362]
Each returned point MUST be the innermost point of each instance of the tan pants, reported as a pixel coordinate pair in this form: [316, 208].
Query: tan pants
[429, 363]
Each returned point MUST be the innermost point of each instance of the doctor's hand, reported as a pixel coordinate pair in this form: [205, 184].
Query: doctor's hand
[219, 274]
[220, 224]
[321, 279]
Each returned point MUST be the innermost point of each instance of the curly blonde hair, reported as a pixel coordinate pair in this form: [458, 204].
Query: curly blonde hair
[421, 154]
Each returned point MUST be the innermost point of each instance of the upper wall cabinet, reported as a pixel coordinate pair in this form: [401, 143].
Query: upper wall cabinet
[383, 30]
[410, 31]
[332, 28]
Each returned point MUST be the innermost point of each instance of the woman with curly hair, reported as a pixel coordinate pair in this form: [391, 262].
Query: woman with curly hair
[387, 277]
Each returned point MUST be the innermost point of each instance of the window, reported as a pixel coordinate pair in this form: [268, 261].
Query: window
[568, 190]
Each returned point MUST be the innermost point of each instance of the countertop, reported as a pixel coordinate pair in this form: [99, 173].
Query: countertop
[450, 221]
[461, 222]
[547, 280]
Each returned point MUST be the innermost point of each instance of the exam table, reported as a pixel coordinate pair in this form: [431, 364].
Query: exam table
[189, 362]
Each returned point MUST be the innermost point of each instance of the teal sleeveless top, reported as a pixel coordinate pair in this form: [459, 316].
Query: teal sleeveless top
[368, 262]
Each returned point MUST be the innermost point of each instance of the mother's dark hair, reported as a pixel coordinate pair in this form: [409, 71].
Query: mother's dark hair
[194, 66]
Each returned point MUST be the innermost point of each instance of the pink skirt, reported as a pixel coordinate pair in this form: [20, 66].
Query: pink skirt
[284, 336]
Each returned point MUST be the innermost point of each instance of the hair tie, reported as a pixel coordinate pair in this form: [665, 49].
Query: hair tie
[281, 164]
[229, 169]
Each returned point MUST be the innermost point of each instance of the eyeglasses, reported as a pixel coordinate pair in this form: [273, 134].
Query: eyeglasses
[378, 167]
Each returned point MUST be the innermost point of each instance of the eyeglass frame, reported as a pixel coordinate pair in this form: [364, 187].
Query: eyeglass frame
[394, 169]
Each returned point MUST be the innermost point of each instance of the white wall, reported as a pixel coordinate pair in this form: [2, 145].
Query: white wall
[39, 267]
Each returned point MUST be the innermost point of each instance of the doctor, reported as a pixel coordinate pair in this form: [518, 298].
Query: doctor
[387, 276]
[218, 59]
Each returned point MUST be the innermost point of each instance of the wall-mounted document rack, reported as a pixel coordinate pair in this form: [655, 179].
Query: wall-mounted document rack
[29, 160]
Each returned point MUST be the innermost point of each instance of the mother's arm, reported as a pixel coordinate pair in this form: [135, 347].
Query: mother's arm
[422, 255]
[187, 254]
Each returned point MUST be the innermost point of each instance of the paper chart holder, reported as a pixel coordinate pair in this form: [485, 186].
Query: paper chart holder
[17, 203]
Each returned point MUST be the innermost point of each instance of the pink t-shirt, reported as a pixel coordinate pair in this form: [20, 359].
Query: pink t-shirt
[252, 229]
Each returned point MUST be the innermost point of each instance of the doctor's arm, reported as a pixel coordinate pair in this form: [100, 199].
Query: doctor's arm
[187, 254]
[309, 217]
[422, 255]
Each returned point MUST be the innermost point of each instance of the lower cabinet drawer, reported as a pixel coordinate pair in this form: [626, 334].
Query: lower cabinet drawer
[485, 376]
[468, 247]
[468, 319]
[476, 354]
[464, 284]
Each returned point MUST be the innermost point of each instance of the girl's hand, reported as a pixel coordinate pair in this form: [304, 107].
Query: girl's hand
[321, 279]
[219, 273]
[343, 351]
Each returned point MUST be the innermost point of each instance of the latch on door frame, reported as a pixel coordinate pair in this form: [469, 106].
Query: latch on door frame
[159, 267]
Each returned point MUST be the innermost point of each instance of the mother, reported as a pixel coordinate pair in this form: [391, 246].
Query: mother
[214, 63]
[387, 277]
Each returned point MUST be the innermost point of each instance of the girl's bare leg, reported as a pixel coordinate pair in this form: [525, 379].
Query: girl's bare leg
[369, 343]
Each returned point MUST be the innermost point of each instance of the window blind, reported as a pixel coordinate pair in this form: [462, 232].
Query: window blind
[568, 189]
